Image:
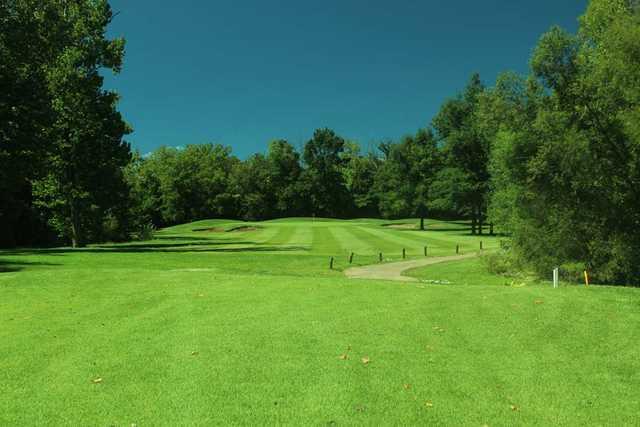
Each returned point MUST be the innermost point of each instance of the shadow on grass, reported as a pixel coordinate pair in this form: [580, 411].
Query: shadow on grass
[185, 238]
[13, 266]
[180, 248]
[161, 245]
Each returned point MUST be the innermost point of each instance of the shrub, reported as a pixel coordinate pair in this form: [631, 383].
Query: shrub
[146, 231]
[503, 262]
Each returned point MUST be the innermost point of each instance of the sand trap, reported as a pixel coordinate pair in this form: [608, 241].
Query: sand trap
[243, 228]
[224, 230]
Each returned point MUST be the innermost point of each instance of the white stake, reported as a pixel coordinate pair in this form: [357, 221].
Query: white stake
[555, 277]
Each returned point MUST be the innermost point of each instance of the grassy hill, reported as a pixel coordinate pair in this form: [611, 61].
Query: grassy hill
[244, 323]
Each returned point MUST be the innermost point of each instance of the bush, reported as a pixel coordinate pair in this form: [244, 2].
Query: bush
[146, 231]
[572, 272]
[503, 262]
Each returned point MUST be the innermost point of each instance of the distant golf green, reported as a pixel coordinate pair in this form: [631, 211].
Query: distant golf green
[244, 323]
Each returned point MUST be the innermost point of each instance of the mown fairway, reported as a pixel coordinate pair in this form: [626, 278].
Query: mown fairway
[251, 327]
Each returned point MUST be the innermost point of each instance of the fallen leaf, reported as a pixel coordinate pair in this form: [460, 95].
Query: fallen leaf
[366, 360]
[406, 386]
[539, 301]
[360, 408]
[96, 380]
[514, 408]
[428, 404]
[195, 353]
[343, 357]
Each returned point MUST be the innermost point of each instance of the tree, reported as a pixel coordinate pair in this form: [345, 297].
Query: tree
[253, 188]
[359, 174]
[283, 162]
[87, 153]
[25, 114]
[404, 181]
[466, 149]
[322, 177]
[573, 172]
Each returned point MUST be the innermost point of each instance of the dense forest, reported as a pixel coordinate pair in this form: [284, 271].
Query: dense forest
[551, 158]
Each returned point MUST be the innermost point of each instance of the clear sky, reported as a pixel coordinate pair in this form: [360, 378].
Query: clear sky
[244, 72]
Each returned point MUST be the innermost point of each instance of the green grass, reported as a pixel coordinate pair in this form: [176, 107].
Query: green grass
[197, 328]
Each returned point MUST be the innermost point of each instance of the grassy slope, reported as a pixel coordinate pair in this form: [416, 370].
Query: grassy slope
[248, 327]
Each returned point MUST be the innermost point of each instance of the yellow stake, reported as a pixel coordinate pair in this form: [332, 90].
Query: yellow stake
[586, 278]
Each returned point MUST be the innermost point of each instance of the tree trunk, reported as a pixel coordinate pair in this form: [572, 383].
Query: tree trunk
[422, 223]
[473, 222]
[77, 240]
[480, 223]
[491, 228]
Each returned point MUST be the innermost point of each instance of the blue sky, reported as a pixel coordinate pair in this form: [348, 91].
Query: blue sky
[242, 73]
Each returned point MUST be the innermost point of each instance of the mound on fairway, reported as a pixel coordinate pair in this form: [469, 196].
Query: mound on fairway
[254, 328]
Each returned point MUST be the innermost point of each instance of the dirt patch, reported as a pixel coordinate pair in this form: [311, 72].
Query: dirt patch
[242, 228]
[211, 229]
[403, 226]
[394, 270]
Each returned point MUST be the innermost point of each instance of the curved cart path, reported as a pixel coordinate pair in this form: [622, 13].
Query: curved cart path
[394, 270]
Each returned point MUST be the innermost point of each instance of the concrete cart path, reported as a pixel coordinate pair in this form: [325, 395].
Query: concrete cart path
[394, 270]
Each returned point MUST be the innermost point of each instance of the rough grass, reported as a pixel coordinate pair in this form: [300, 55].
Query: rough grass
[198, 328]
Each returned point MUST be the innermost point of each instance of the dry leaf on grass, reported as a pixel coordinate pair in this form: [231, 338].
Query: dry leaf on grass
[406, 386]
[428, 404]
[366, 360]
[538, 302]
[343, 357]
[195, 353]
[515, 408]
[96, 380]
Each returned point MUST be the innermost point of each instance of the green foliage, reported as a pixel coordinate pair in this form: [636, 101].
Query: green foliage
[59, 119]
[146, 232]
[503, 262]
[466, 152]
[322, 177]
[565, 164]
[403, 184]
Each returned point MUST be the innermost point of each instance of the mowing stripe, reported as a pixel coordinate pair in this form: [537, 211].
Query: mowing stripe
[378, 244]
[393, 239]
[266, 233]
[350, 242]
[302, 236]
[282, 236]
[324, 241]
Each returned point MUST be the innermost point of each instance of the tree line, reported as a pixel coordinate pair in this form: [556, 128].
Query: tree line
[552, 158]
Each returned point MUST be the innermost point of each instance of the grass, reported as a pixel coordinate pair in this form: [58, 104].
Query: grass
[252, 327]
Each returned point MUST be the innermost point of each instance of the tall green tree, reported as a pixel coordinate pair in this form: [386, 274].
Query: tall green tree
[466, 150]
[26, 49]
[84, 164]
[404, 182]
[576, 165]
[359, 173]
[254, 190]
[323, 177]
[283, 162]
